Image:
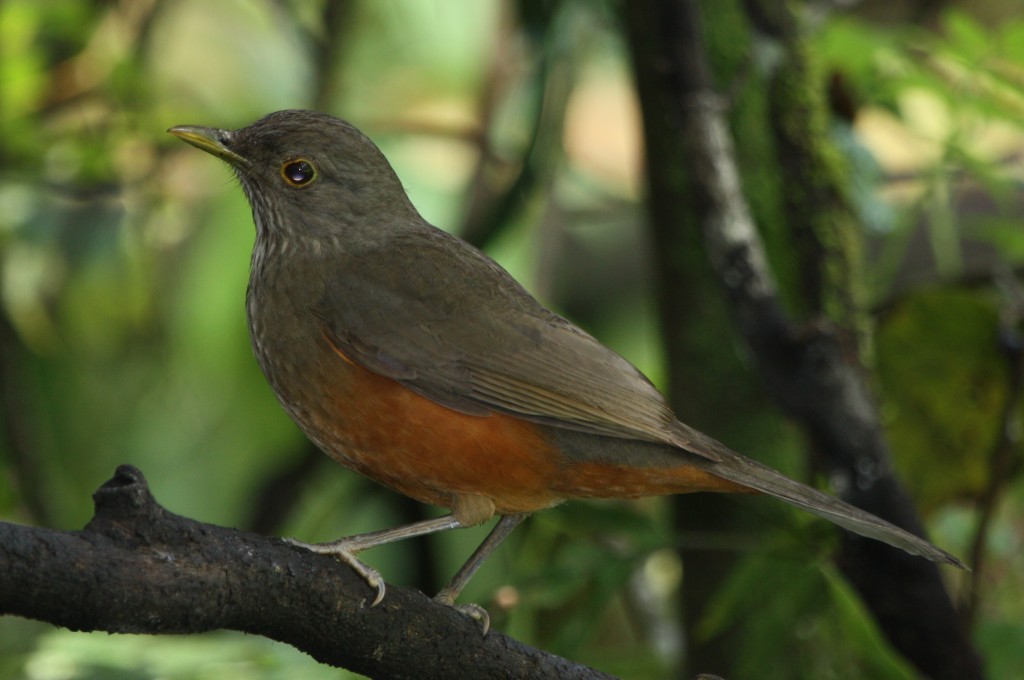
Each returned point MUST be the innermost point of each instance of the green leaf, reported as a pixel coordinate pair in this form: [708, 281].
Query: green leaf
[943, 385]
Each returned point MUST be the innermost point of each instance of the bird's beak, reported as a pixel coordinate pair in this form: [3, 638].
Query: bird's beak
[210, 140]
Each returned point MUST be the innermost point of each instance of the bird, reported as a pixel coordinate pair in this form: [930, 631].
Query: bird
[413, 358]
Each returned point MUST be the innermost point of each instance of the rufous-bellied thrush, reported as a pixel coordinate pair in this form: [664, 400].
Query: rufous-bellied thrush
[413, 358]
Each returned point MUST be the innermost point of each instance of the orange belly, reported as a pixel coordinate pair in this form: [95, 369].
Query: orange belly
[429, 452]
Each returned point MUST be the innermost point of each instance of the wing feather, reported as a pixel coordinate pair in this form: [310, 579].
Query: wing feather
[440, 317]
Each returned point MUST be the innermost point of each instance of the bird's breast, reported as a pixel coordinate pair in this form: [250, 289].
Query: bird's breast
[385, 431]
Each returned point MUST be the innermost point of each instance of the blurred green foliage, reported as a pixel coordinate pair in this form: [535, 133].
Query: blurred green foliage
[940, 412]
[124, 257]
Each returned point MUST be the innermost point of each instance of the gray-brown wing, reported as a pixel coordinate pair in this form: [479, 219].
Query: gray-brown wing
[437, 315]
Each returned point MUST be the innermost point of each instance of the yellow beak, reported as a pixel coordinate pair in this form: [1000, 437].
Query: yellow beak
[210, 140]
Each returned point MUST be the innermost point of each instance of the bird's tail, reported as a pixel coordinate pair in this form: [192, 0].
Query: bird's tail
[719, 460]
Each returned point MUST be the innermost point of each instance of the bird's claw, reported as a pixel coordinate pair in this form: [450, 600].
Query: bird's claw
[338, 551]
[473, 611]
[478, 614]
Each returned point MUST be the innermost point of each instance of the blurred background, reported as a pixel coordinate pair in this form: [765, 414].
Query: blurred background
[124, 257]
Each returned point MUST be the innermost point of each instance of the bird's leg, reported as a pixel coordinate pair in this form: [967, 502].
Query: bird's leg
[346, 549]
[451, 591]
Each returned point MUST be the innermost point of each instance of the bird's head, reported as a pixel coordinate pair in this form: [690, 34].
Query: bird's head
[307, 173]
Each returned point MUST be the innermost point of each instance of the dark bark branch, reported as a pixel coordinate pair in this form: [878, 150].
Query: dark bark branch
[805, 367]
[137, 568]
[692, 309]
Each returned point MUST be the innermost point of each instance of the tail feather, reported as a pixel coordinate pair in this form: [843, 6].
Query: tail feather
[719, 460]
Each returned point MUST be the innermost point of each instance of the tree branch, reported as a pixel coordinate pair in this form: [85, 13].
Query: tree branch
[137, 568]
[807, 368]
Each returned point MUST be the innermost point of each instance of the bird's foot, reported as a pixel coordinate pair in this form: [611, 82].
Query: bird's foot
[343, 552]
[473, 611]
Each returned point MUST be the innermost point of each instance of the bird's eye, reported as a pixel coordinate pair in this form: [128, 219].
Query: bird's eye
[298, 172]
